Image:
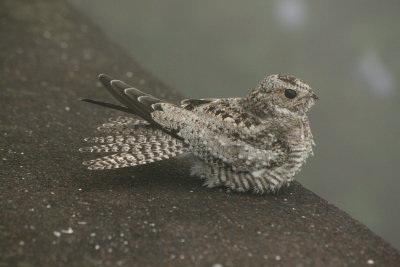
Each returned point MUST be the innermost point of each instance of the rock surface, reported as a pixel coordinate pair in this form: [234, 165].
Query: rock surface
[55, 212]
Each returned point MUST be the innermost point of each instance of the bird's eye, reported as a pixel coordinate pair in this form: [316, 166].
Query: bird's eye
[289, 93]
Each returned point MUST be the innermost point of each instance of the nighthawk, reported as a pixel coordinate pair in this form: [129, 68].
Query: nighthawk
[255, 143]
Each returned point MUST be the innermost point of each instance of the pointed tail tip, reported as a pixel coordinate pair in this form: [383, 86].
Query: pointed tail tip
[104, 78]
[84, 99]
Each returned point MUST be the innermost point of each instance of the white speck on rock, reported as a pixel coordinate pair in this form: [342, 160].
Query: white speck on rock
[97, 247]
[370, 262]
[21, 243]
[217, 265]
[129, 74]
[67, 108]
[68, 231]
[56, 233]
[277, 257]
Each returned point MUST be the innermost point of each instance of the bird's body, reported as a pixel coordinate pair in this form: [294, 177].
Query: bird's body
[256, 143]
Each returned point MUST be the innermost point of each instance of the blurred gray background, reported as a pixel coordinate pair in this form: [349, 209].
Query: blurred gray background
[347, 50]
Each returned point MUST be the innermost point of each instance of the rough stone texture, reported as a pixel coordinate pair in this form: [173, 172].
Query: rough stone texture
[54, 212]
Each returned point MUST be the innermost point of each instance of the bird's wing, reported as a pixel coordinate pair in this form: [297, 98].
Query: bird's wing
[128, 96]
[208, 135]
[133, 100]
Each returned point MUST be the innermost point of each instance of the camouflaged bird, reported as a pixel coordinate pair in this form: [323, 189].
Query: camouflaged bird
[255, 143]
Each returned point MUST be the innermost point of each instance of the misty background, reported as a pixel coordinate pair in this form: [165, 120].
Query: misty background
[348, 51]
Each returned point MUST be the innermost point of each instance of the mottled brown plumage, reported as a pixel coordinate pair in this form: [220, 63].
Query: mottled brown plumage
[256, 143]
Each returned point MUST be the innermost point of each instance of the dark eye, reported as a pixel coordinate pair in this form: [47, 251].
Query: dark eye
[289, 93]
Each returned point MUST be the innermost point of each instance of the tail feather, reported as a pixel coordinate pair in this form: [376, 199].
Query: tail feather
[120, 161]
[136, 141]
[136, 101]
[114, 147]
[118, 89]
[133, 149]
[135, 145]
[108, 105]
[129, 129]
[128, 120]
[128, 126]
[127, 139]
[137, 157]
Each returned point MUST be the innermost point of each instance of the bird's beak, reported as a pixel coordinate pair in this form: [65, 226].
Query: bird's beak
[315, 96]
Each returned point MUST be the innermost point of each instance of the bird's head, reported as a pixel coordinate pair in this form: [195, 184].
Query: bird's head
[282, 94]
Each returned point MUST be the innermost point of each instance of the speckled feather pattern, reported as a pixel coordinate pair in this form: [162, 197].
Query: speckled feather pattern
[137, 143]
[256, 143]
